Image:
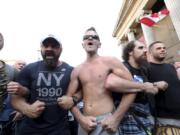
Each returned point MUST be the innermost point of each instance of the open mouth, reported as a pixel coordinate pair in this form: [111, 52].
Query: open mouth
[49, 57]
[90, 43]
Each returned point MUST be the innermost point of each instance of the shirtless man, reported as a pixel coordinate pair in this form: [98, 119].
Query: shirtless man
[99, 116]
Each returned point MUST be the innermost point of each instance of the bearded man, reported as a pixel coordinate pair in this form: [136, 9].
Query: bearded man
[38, 86]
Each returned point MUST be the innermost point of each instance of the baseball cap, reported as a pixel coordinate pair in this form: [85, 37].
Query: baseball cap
[50, 39]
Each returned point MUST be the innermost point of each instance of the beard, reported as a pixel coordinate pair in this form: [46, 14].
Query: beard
[142, 62]
[50, 59]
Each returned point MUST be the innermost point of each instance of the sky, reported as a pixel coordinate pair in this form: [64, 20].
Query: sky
[24, 24]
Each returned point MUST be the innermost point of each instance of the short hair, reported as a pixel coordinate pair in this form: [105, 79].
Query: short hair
[129, 47]
[153, 43]
[91, 29]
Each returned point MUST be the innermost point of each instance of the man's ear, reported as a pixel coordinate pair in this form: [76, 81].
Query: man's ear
[82, 45]
[61, 49]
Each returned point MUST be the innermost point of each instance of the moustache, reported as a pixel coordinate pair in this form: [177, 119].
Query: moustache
[49, 53]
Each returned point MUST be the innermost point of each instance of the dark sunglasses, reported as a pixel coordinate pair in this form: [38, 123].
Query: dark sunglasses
[92, 36]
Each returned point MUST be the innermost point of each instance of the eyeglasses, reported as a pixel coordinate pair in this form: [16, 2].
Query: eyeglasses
[92, 36]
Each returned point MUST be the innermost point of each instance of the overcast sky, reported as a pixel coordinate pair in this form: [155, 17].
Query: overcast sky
[24, 23]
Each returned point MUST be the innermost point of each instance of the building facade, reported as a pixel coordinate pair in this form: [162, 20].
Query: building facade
[129, 26]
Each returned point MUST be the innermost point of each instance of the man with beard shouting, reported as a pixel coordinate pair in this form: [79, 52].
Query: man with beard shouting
[38, 86]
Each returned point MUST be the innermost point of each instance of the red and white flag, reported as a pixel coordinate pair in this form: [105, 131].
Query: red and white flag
[152, 19]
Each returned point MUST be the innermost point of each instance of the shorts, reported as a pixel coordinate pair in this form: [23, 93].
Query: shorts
[99, 129]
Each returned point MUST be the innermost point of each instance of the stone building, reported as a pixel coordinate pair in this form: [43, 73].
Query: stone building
[128, 26]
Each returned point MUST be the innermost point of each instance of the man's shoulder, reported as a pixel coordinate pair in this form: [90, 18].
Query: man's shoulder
[77, 70]
[161, 65]
[79, 67]
[31, 68]
[68, 65]
[33, 64]
[108, 58]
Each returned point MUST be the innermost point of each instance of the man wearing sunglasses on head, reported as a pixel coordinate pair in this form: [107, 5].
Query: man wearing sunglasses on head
[99, 116]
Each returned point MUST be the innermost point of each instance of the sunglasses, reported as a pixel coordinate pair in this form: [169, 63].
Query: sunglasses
[92, 36]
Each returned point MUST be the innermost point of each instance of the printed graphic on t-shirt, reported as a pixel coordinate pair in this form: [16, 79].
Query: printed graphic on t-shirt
[48, 86]
[137, 78]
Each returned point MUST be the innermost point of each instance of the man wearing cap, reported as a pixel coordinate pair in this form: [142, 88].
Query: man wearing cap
[41, 83]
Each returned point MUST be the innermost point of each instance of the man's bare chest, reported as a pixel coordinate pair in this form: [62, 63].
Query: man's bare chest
[94, 74]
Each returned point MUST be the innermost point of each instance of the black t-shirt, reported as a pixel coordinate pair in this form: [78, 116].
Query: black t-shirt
[46, 85]
[167, 102]
[139, 75]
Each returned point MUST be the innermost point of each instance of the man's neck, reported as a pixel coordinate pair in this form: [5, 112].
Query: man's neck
[91, 56]
[155, 61]
[59, 63]
[133, 63]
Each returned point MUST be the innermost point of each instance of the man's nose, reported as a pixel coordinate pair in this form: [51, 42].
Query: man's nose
[49, 47]
[90, 37]
[145, 50]
[163, 49]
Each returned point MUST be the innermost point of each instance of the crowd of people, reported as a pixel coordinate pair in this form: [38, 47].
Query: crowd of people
[138, 96]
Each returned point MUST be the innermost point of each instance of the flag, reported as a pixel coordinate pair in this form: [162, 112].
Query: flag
[153, 18]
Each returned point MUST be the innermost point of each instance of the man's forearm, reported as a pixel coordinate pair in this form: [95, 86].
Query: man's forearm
[76, 98]
[118, 84]
[19, 103]
[126, 101]
[77, 113]
[17, 89]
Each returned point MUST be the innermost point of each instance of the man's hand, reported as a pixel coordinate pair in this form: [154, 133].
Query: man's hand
[110, 124]
[161, 85]
[65, 102]
[34, 110]
[88, 123]
[17, 115]
[16, 88]
[150, 88]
